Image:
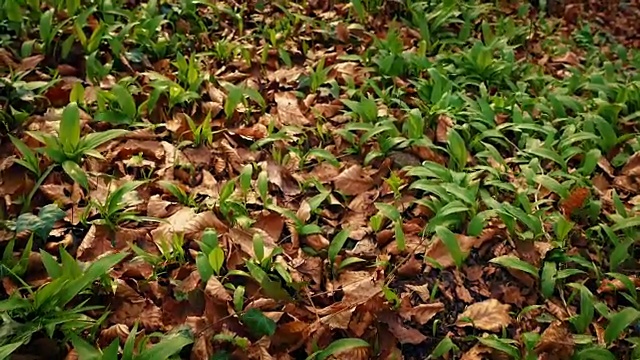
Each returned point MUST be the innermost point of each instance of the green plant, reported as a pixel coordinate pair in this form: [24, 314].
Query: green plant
[118, 206]
[167, 348]
[45, 309]
[68, 148]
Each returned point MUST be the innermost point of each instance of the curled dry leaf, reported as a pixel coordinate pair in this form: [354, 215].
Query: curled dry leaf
[569, 58]
[117, 331]
[422, 313]
[216, 290]
[404, 334]
[556, 341]
[477, 352]
[438, 251]
[632, 167]
[490, 315]
[289, 112]
[442, 130]
[353, 181]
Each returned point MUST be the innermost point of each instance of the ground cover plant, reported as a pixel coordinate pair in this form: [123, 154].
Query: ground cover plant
[357, 179]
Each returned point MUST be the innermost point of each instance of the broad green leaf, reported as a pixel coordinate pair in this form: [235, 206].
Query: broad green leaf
[85, 350]
[92, 273]
[445, 346]
[216, 259]
[399, 232]
[7, 350]
[594, 353]
[548, 279]
[626, 223]
[553, 185]
[204, 267]
[548, 154]
[336, 244]
[389, 211]
[450, 241]
[258, 323]
[513, 262]
[76, 173]
[619, 322]
[166, 348]
[457, 148]
[70, 128]
[93, 140]
[238, 298]
[339, 346]
[500, 345]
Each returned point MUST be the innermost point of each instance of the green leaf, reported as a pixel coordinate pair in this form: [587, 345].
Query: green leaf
[445, 346]
[339, 346]
[553, 185]
[350, 261]
[389, 211]
[93, 140]
[514, 262]
[204, 267]
[619, 322]
[92, 273]
[76, 173]
[85, 350]
[70, 128]
[548, 154]
[625, 223]
[594, 353]
[7, 350]
[216, 259]
[167, 347]
[245, 178]
[42, 224]
[238, 298]
[548, 279]
[258, 323]
[51, 265]
[500, 345]
[450, 240]
[457, 148]
[400, 239]
[337, 243]
[31, 161]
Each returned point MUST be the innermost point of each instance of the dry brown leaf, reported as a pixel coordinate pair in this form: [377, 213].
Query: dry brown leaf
[119, 331]
[442, 130]
[30, 63]
[556, 341]
[569, 58]
[423, 313]
[289, 112]
[632, 167]
[422, 291]
[175, 224]
[490, 315]
[439, 252]
[342, 32]
[476, 353]
[202, 349]
[282, 178]
[190, 283]
[216, 290]
[405, 335]
[353, 181]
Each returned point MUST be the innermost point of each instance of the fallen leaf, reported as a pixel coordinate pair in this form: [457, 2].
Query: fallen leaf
[569, 58]
[632, 166]
[442, 130]
[490, 315]
[422, 313]
[216, 290]
[353, 181]
[476, 353]
[30, 63]
[557, 341]
[405, 335]
[289, 112]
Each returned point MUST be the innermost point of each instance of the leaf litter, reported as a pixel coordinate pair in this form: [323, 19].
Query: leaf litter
[350, 179]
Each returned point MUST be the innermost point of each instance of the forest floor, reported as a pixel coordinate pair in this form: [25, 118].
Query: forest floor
[364, 179]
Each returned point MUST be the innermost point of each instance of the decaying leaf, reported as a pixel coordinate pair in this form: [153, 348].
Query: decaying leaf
[490, 315]
[289, 111]
[353, 181]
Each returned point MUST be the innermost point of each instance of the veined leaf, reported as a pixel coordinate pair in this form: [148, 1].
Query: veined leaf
[514, 262]
[70, 128]
[619, 322]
